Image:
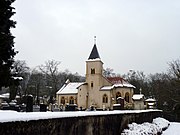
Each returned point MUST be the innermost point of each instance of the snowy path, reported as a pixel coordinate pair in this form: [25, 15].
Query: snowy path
[174, 129]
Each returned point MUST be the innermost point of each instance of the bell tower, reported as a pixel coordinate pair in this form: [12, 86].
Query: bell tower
[94, 66]
[94, 77]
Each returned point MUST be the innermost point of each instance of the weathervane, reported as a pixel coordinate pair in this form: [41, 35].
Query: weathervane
[95, 40]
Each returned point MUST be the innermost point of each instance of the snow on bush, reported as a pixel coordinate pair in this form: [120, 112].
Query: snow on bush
[161, 122]
[142, 129]
[154, 128]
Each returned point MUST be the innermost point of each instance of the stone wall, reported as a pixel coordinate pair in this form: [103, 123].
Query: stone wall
[85, 125]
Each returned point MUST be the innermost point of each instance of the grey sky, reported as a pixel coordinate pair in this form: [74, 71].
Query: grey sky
[131, 34]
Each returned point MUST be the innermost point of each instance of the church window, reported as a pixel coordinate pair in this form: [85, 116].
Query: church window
[71, 100]
[105, 98]
[92, 84]
[127, 97]
[118, 94]
[62, 100]
[92, 70]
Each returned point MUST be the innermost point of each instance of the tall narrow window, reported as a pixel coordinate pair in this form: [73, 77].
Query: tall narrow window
[105, 98]
[127, 97]
[92, 84]
[71, 100]
[92, 70]
[62, 100]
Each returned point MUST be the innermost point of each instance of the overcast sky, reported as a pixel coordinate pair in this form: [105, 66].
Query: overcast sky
[131, 34]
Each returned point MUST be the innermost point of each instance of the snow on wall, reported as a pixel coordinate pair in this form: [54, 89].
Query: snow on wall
[9, 116]
[72, 123]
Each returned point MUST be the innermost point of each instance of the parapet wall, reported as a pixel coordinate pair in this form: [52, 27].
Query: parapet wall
[111, 124]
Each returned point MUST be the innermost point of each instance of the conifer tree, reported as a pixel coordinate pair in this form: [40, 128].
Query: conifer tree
[7, 51]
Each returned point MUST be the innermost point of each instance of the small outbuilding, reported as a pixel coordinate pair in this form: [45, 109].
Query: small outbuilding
[138, 100]
[150, 103]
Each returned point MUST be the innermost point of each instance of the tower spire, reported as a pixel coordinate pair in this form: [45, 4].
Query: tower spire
[94, 53]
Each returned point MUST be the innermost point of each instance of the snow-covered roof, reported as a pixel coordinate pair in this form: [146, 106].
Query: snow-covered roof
[6, 95]
[116, 86]
[17, 78]
[150, 100]
[120, 82]
[151, 104]
[70, 88]
[138, 96]
[106, 88]
[124, 85]
[96, 59]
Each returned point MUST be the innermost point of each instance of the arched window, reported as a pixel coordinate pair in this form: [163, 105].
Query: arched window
[105, 98]
[127, 97]
[62, 100]
[71, 100]
[92, 70]
[118, 94]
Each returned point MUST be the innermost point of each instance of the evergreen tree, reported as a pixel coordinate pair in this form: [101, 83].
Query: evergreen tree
[7, 51]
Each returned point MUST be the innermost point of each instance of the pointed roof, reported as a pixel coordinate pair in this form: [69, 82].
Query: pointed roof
[94, 53]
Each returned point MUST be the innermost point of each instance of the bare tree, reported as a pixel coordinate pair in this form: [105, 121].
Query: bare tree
[174, 69]
[35, 84]
[20, 67]
[50, 69]
[108, 72]
[139, 80]
[161, 89]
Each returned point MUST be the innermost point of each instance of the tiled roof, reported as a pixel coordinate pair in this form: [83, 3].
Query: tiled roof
[120, 82]
[115, 80]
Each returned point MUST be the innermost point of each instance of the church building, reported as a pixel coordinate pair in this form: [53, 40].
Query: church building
[97, 90]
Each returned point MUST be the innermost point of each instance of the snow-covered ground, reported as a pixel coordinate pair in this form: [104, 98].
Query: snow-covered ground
[173, 129]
